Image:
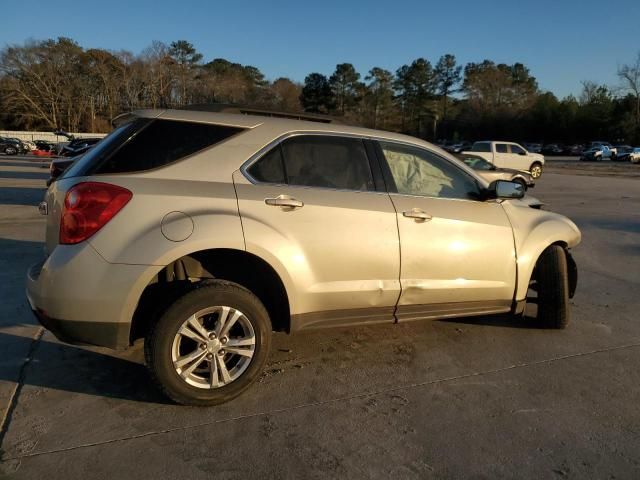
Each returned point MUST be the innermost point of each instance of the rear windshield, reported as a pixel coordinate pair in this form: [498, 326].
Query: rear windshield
[148, 143]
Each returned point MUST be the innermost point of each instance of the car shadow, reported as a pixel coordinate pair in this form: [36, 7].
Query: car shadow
[503, 320]
[25, 175]
[506, 320]
[21, 196]
[84, 370]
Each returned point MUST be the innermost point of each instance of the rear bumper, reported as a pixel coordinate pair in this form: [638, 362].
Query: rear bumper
[83, 299]
[112, 335]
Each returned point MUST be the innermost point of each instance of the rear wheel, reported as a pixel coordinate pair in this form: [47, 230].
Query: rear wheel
[210, 345]
[10, 151]
[552, 281]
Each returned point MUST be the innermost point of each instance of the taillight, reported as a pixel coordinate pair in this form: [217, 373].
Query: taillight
[88, 207]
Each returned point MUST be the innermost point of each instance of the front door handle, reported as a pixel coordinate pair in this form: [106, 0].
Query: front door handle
[284, 201]
[416, 213]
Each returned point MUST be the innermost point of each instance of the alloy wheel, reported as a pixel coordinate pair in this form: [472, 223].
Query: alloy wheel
[213, 347]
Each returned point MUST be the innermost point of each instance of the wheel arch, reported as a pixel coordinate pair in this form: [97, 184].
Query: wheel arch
[238, 266]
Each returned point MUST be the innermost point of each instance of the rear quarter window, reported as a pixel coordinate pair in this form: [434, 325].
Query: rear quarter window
[146, 144]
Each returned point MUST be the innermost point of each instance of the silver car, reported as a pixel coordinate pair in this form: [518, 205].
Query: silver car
[491, 173]
[201, 233]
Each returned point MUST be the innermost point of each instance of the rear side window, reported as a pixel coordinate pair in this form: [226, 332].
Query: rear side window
[501, 148]
[145, 144]
[317, 161]
[481, 147]
[329, 162]
[270, 168]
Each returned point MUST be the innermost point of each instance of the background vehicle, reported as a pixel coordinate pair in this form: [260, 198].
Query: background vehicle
[58, 166]
[78, 146]
[553, 149]
[596, 153]
[605, 145]
[458, 147]
[509, 155]
[533, 147]
[634, 156]
[10, 146]
[490, 172]
[623, 152]
[202, 233]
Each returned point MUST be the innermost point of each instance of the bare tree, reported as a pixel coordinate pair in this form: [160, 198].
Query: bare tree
[630, 77]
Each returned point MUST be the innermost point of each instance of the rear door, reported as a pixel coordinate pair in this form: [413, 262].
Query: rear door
[311, 208]
[502, 155]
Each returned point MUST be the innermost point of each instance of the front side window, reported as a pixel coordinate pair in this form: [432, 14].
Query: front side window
[419, 172]
[517, 150]
[501, 148]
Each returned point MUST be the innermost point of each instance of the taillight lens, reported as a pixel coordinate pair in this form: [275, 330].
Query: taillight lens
[88, 207]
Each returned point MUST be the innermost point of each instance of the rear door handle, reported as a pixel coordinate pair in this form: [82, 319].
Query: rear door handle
[417, 214]
[284, 201]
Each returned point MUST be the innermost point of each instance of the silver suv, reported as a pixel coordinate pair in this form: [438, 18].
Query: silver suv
[202, 233]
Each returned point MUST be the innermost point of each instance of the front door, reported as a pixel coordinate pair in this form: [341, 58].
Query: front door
[457, 252]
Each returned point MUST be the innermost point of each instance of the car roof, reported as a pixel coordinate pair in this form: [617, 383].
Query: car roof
[278, 125]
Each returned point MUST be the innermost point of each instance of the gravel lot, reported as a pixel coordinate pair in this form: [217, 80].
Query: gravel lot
[485, 398]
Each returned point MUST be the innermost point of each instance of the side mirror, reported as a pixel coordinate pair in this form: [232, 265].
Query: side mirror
[522, 153]
[505, 189]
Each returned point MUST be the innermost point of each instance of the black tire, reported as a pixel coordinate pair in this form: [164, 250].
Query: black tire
[521, 182]
[158, 343]
[10, 151]
[553, 288]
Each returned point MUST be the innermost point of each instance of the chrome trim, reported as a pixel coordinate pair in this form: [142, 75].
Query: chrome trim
[264, 150]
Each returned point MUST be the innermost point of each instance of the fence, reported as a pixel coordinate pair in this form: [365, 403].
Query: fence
[46, 136]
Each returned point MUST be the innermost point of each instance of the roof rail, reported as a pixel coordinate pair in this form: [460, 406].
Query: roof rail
[247, 110]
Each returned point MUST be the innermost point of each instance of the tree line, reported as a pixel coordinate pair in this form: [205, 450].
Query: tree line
[56, 83]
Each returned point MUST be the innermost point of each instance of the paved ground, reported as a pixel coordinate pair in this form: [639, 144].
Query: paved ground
[482, 398]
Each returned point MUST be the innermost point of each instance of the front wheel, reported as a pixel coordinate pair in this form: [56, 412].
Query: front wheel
[210, 345]
[10, 151]
[552, 282]
[536, 170]
[521, 182]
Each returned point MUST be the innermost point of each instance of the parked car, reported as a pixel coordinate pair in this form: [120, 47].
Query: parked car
[10, 146]
[612, 150]
[634, 156]
[533, 147]
[490, 172]
[553, 149]
[596, 153]
[575, 150]
[44, 146]
[509, 155]
[78, 146]
[623, 152]
[204, 232]
[459, 147]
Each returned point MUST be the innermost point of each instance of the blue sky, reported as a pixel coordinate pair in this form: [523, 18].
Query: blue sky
[563, 41]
